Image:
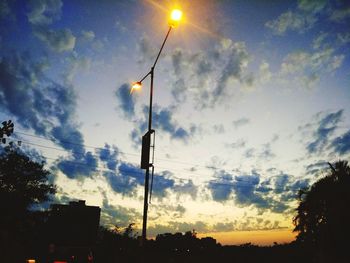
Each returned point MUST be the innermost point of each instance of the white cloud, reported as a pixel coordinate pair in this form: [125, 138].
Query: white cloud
[76, 63]
[307, 67]
[340, 15]
[300, 20]
[318, 42]
[58, 40]
[312, 5]
[291, 21]
[88, 35]
[211, 76]
[44, 12]
[264, 72]
[343, 38]
[240, 122]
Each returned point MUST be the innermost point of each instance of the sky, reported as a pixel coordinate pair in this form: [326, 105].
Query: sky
[251, 100]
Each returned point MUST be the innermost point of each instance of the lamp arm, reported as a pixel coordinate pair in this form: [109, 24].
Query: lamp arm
[161, 48]
[149, 73]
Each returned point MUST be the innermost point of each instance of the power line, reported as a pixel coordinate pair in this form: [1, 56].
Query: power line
[239, 183]
[97, 157]
[122, 152]
[141, 173]
[72, 143]
[58, 149]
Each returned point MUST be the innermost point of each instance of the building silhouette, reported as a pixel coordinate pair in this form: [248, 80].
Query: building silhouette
[72, 232]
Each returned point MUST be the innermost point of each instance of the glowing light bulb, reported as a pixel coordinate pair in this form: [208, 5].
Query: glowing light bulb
[176, 15]
[136, 86]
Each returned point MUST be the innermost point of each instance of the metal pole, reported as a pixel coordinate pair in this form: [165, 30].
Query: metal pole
[150, 101]
[161, 48]
[145, 208]
[145, 200]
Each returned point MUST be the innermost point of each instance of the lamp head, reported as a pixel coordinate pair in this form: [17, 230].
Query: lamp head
[136, 86]
[175, 17]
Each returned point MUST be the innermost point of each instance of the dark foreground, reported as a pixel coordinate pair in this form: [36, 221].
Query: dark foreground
[112, 247]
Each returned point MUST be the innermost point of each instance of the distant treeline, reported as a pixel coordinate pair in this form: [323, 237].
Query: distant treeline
[114, 246]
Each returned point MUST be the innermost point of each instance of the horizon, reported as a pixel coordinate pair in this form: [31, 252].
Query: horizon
[251, 102]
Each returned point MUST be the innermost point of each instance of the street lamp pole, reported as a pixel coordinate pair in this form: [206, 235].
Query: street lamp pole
[149, 132]
[146, 139]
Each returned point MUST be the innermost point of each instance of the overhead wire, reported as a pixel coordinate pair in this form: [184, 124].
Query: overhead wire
[237, 182]
[122, 152]
[162, 167]
[94, 155]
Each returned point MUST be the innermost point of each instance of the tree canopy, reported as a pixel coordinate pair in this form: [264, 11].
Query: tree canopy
[23, 182]
[322, 219]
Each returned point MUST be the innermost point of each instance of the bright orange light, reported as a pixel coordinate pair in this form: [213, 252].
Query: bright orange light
[135, 86]
[30, 260]
[176, 15]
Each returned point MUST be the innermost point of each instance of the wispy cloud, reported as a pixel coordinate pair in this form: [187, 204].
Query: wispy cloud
[316, 168]
[57, 40]
[163, 121]
[237, 144]
[88, 35]
[116, 215]
[76, 63]
[109, 155]
[266, 152]
[326, 127]
[221, 187]
[273, 194]
[121, 183]
[174, 226]
[209, 77]
[306, 68]
[128, 177]
[240, 122]
[41, 15]
[341, 144]
[82, 165]
[44, 12]
[146, 50]
[126, 100]
[340, 15]
[304, 17]
[291, 21]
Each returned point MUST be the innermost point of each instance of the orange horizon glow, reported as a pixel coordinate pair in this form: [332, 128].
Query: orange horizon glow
[256, 237]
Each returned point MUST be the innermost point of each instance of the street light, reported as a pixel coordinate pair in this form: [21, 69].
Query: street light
[175, 17]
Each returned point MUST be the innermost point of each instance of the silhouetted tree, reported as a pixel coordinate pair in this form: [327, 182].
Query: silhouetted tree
[115, 245]
[323, 217]
[23, 183]
[6, 130]
[129, 231]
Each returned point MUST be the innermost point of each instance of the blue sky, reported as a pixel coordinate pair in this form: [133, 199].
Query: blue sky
[251, 101]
